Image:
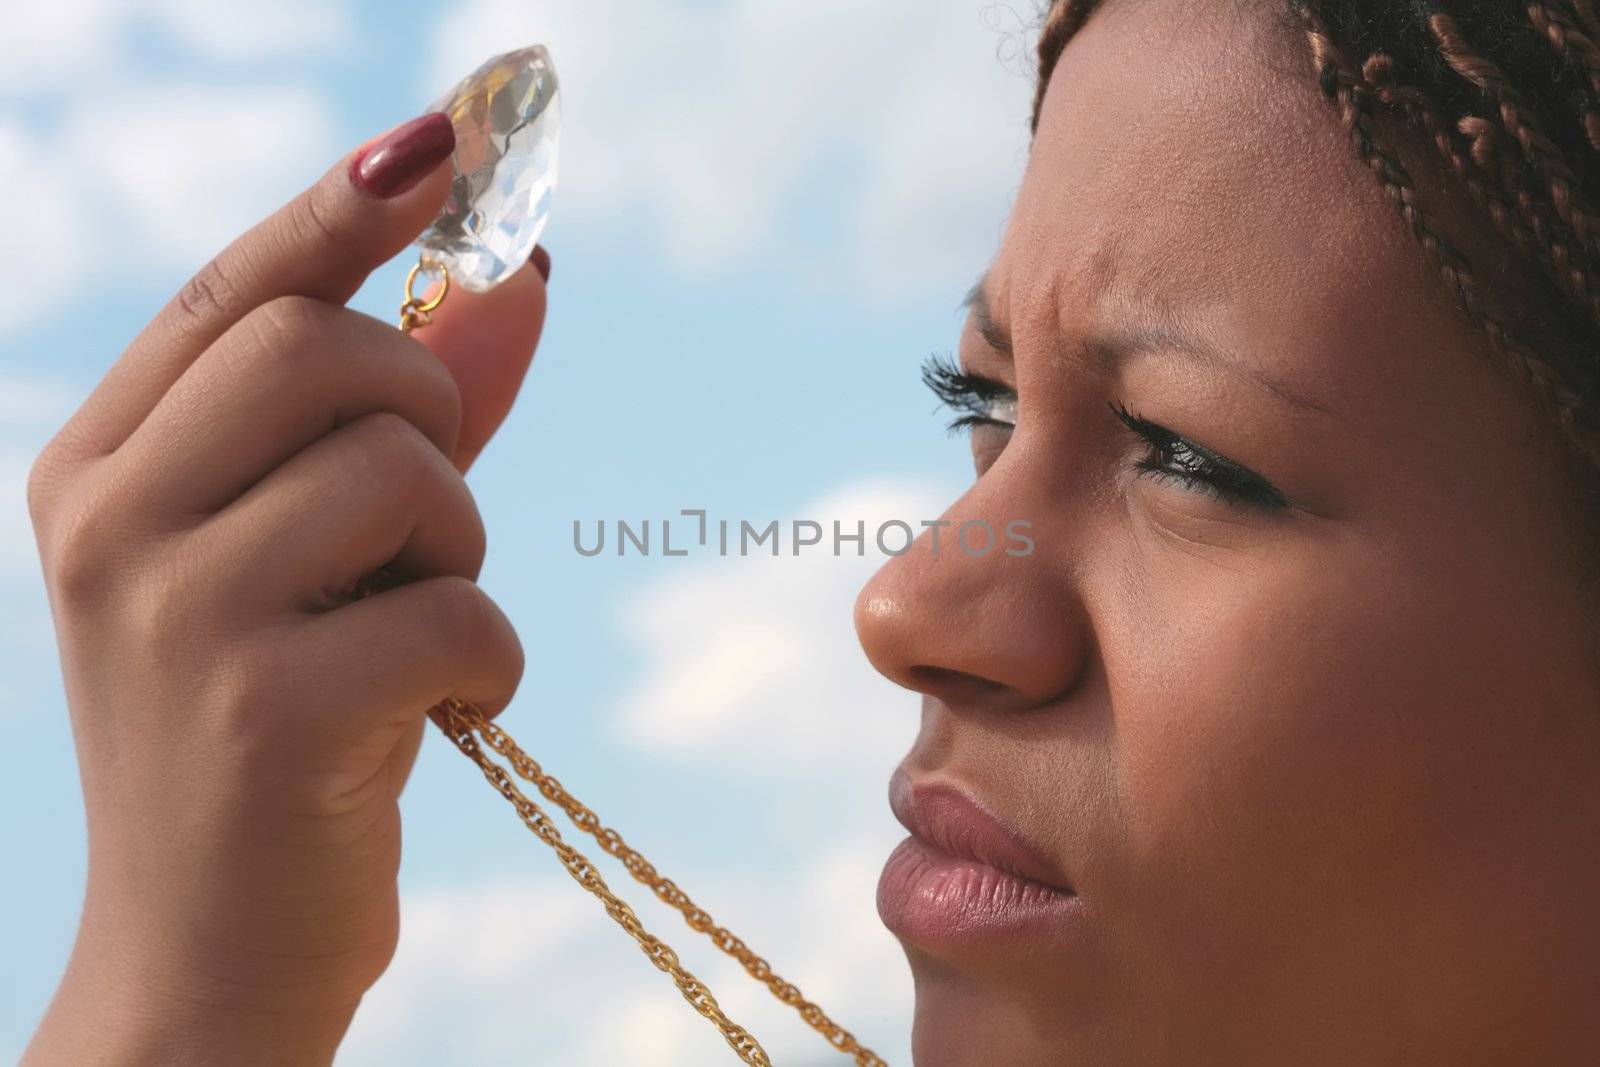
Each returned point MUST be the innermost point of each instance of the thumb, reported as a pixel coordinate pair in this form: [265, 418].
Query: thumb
[487, 341]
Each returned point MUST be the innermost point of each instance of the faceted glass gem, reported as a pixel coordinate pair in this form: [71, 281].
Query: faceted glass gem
[507, 117]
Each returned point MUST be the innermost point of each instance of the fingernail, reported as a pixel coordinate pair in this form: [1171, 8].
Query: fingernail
[541, 261]
[400, 159]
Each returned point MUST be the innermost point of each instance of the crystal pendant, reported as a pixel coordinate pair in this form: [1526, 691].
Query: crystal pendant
[507, 118]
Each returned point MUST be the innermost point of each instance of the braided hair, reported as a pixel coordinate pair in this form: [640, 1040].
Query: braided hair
[1506, 95]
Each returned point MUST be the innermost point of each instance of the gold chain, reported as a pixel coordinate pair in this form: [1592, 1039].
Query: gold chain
[465, 724]
[460, 721]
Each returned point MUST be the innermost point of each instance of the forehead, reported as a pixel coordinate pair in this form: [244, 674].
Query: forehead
[1187, 167]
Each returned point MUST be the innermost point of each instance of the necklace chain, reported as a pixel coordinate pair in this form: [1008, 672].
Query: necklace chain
[464, 724]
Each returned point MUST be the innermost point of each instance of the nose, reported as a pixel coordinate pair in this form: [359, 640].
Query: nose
[1001, 630]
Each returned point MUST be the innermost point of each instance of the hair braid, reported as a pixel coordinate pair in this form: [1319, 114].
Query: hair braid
[1487, 146]
[1355, 97]
[1588, 19]
[1478, 111]
[1518, 119]
[1517, 221]
[1580, 51]
[1515, 215]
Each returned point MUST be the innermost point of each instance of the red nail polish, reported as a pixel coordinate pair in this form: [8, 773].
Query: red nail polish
[541, 262]
[400, 159]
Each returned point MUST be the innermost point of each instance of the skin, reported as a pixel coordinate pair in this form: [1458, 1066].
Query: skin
[1325, 781]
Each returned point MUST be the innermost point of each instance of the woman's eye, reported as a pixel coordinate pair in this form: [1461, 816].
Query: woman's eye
[984, 402]
[980, 401]
[1197, 468]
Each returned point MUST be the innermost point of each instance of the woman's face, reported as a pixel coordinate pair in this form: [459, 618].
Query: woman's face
[1317, 752]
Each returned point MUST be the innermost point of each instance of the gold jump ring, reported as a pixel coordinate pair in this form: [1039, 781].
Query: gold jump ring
[416, 311]
[411, 282]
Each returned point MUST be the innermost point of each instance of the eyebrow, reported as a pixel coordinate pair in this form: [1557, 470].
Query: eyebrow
[1113, 349]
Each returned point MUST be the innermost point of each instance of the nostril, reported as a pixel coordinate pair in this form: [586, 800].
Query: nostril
[951, 687]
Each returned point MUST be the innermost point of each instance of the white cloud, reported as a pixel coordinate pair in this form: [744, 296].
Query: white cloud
[34, 403]
[711, 117]
[56, 42]
[18, 556]
[152, 178]
[949, 157]
[129, 169]
[532, 971]
[49, 228]
[76, 45]
[26, 633]
[30, 410]
[249, 29]
[189, 168]
[753, 664]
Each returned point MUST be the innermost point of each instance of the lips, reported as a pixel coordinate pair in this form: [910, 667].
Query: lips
[950, 821]
[964, 874]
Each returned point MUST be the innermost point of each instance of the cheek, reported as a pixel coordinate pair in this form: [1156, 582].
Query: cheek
[1300, 739]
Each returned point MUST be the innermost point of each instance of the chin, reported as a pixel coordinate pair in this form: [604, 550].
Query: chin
[966, 1019]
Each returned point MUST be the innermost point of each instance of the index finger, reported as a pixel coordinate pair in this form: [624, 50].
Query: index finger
[322, 245]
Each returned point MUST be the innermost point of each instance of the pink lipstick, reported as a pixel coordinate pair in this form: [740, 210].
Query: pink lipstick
[964, 874]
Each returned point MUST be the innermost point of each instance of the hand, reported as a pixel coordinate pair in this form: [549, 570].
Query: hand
[243, 727]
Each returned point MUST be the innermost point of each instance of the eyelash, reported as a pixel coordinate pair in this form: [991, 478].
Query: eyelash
[1193, 466]
[965, 392]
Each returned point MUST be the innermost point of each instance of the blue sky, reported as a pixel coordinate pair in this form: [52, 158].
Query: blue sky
[768, 213]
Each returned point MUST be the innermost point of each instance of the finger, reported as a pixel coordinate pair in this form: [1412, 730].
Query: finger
[374, 493]
[323, 244]
[279, 379]
[392, 656]
[487, 341]
[404, 755]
